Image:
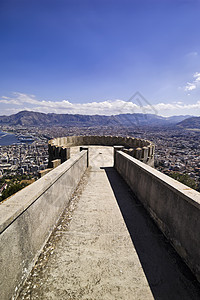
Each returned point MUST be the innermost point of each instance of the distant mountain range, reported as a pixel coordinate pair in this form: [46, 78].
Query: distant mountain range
[193, 122]
[30, 118]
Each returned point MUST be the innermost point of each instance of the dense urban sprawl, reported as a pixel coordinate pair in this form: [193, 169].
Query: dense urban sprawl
[177, 151]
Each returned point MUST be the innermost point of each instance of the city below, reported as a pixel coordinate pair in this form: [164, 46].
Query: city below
[24, 151]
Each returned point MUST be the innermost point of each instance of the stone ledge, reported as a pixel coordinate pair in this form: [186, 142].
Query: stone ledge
[190, 194]
[16, 204]
[174, 207]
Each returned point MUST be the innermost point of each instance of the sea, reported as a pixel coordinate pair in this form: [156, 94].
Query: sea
[8, 139]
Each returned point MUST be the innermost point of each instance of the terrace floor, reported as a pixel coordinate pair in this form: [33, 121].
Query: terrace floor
[105, 246]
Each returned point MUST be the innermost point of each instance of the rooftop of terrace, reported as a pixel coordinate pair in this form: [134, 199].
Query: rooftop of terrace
[102, 225]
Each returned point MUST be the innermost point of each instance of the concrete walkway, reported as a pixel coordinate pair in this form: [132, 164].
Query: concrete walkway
[106, 247]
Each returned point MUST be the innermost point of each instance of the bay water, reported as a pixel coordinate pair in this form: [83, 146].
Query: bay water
[8, 139]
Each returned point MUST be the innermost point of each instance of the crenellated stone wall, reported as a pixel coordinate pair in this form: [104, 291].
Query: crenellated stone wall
[143, 150]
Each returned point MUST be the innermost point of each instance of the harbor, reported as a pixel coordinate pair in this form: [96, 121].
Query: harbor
[7, 138]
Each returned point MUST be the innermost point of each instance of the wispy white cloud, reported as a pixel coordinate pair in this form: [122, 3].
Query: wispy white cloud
[197, 77]
[190, 86]
[21, 101]
[194, 84]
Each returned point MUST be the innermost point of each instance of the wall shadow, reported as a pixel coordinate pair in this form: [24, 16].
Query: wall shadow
[166, 273]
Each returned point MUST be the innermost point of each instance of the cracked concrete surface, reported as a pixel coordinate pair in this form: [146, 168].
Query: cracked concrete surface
[94, 253]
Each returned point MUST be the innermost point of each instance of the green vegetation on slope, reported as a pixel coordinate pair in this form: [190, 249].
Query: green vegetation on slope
[185, 179]
[14, 184]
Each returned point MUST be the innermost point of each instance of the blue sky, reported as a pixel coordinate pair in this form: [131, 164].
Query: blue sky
[83, 56]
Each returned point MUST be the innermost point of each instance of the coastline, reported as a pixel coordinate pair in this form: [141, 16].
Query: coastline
[8, 138]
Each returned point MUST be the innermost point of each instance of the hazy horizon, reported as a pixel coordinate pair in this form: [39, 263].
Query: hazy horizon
[96, 114]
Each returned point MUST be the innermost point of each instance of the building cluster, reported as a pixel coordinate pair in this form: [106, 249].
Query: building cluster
[177, 151]
[23, 158]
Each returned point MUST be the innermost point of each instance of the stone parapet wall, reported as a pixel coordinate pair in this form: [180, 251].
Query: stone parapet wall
[28, 218]
[173, 206]
[59, 148]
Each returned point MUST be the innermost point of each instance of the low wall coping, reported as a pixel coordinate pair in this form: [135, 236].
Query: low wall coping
[188, 193]
[11, 208]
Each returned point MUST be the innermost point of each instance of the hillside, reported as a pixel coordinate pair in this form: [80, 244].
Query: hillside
[193, 122]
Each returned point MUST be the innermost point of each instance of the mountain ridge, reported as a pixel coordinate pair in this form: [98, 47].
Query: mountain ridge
[31, 118]
[192, 122]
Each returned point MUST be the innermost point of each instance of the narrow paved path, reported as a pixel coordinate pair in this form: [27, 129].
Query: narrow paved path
[110, 249]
